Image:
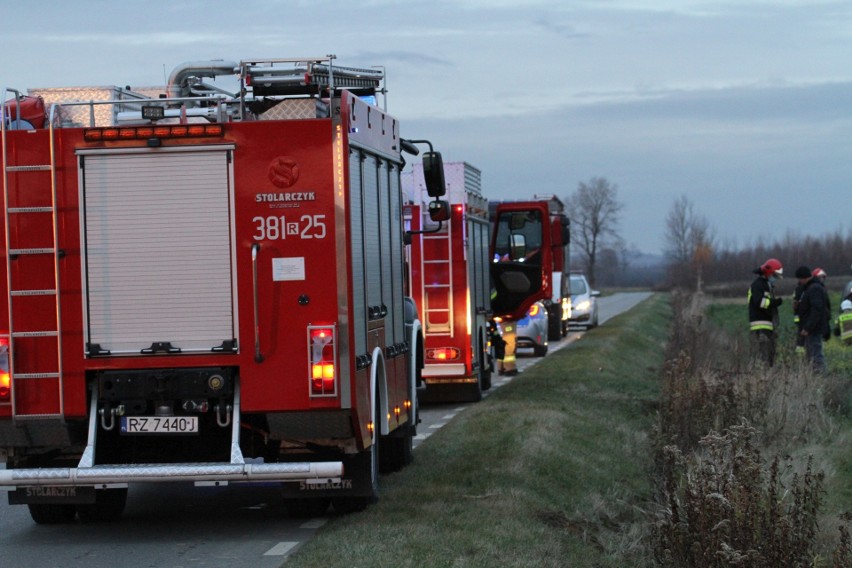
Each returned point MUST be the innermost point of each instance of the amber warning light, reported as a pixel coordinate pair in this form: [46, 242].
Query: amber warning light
[443, 354]
[5, 379]
[147, 132]
[322, 356]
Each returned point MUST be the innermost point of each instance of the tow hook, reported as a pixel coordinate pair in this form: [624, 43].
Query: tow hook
[108, 414]
[223, 421]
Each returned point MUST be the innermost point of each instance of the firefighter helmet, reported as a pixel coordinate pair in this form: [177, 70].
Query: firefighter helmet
[818, 273]
[772, 267]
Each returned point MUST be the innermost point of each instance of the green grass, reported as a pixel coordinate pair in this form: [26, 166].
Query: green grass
[552, 470]
[832, 446]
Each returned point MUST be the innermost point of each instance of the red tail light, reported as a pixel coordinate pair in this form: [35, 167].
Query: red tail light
[322, 360]
[5, 378]
[443, 353]
[5, 386]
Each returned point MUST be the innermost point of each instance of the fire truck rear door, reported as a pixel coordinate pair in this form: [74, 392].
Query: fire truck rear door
[157, 251]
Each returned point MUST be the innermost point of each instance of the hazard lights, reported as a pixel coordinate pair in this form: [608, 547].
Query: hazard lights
[148, 132]
[443, 354]
[322, 357]
[5, 378]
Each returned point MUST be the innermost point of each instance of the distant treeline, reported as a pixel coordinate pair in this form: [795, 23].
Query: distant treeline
[832, 253]
[730, 266]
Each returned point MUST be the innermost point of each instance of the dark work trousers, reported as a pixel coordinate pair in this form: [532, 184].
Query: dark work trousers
[763, 346]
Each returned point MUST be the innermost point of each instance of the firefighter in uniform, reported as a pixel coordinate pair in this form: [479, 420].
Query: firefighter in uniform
[843, 325]
[763, 311]
[509, 367]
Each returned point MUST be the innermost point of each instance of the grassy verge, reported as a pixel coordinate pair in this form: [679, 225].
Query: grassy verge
[758, 461]
[551, 470]
[834, 448]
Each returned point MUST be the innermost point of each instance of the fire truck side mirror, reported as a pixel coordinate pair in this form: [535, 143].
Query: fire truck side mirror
[439, 210]
[566, 230]
[433, 174]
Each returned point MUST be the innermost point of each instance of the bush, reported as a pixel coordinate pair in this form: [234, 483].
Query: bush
[732, 499]
[724, 507]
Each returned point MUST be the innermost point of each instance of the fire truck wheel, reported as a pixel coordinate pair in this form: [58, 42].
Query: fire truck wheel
[306, 508]
[397, 450]
[108, 506]
[347, 505]
[52, 514]
[473, 391]
[554, 327]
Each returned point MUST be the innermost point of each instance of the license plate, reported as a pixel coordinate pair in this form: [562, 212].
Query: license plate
[159, 424]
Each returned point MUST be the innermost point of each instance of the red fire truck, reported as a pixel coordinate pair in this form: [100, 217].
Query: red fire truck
[530, 260]
[206, 286]
[449, 274]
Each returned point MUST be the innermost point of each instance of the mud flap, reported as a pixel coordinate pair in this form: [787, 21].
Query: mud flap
[355, 481]
[48, 495]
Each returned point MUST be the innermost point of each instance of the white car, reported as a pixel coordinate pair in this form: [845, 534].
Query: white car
[584, 305]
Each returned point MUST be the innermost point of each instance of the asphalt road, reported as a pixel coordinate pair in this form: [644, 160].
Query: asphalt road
[181, 526]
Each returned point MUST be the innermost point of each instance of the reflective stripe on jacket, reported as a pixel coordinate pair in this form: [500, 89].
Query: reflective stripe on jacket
[845, 323]
[762, 308]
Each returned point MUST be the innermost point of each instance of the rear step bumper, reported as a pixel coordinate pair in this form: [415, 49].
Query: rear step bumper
[309, 472]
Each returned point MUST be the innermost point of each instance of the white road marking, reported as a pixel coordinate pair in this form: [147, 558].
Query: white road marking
[280, 549]
[438, 425]
[314, 524]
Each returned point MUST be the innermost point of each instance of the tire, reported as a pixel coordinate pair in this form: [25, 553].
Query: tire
[472, 392]
[108, 506]
[347, 505]
[540, 350]
[397, 451]
[44, 514]
[554, 327]
[308, 508]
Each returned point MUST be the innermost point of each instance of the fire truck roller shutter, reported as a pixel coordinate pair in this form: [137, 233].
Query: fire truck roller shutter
[356, 222]
[396, 254]
[158, 248]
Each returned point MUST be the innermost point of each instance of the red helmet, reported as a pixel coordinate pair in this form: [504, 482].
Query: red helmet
[772, 267]
[818, 273]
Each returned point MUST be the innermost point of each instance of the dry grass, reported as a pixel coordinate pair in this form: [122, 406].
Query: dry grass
[742, 456]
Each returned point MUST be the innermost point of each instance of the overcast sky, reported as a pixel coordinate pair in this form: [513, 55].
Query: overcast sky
[744, 106]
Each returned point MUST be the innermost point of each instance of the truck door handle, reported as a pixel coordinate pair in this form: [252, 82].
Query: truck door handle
[255, 249]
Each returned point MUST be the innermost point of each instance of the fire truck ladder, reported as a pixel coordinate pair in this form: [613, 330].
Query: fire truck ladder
[438, 292]
[36, 380]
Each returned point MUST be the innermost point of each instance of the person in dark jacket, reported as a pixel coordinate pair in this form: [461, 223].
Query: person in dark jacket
[800, 340]
[815, 324]
[763, 311]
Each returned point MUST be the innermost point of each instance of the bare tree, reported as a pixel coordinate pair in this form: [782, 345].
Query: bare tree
[594, 211]
[689, 243]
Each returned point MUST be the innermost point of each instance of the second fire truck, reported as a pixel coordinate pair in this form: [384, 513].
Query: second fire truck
[449, 267]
